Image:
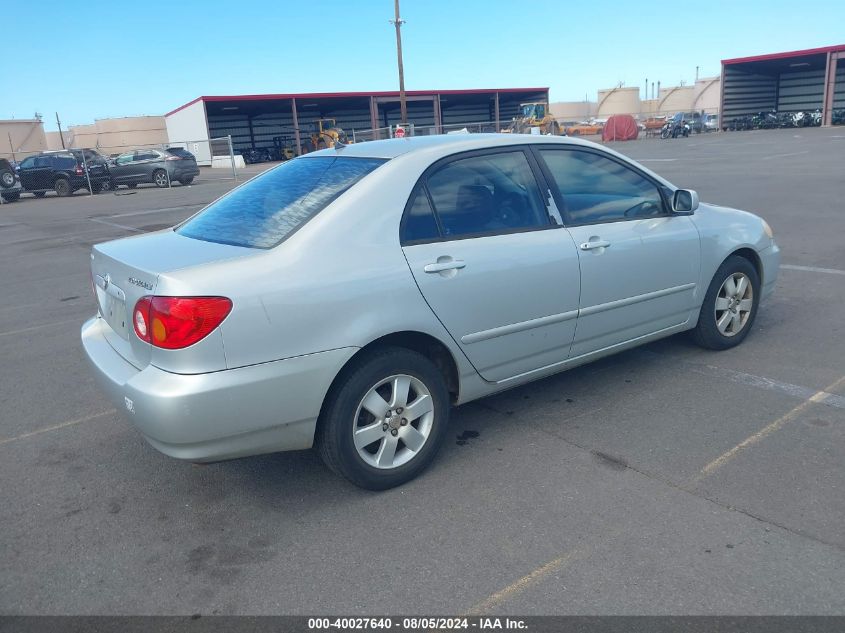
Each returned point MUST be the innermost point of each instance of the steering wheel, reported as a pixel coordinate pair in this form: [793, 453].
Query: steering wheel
[646, 208]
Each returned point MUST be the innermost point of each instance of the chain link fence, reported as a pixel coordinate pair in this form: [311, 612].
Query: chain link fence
[91, 170]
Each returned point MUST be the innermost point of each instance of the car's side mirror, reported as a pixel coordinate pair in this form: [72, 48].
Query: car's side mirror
[684, 202]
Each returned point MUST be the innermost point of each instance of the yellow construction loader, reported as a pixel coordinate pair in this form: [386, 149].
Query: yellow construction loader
[325, 133]
[534, 115]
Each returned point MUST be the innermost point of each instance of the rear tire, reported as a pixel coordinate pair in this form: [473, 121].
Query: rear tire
[11, 196]
[187, 181]
[730, 305]
[160, 178]
[388, 447]
[62, 187]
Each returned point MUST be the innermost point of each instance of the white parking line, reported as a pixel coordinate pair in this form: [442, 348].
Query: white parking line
[39, 327]
[750, 380]
[57, 426]
[785, 155]
[149, 211]
[115, 224]
[760, 382]
[813, 269]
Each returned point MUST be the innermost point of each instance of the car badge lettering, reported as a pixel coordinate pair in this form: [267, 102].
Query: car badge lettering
[141, 283]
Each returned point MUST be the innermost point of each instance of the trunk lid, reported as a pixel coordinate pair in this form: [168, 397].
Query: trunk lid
[125, 270]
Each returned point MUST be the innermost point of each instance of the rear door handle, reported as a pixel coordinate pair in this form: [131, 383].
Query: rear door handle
[588, 246]
[439, 267]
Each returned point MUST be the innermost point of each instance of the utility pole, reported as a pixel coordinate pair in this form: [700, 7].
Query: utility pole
[11, 146]
[61, 136]
[398, 22]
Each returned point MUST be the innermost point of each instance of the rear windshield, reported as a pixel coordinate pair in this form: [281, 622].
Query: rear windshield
[266, 210]
[178, 151]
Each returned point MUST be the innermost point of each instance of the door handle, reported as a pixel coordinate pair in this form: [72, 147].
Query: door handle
[588, 246]
[439, 267]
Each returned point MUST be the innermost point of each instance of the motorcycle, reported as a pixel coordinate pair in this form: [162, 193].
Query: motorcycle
[765, 120]
[675, 128]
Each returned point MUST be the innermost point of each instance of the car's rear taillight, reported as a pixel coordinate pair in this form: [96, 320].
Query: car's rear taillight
[173, 158]
[177, 322]
[79, 170]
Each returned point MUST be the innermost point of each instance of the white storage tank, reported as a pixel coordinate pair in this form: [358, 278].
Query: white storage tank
[618, 101]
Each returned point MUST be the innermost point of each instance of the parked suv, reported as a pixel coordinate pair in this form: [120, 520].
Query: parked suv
[160, 167]
[64, 172]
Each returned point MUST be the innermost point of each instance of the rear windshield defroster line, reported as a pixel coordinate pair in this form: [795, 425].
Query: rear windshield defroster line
[262, 213]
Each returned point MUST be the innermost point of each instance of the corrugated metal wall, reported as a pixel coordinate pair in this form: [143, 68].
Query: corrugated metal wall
[747, 93]
[420, 113]
[800, 91]
[257, 131]
[839, 89]
[280, 123]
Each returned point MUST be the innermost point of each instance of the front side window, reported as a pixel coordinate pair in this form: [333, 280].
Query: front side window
[597, 189]
[264, 211]
[28, 162]
[490, 193]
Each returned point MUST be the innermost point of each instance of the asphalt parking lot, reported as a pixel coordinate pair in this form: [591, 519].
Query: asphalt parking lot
[665, 480]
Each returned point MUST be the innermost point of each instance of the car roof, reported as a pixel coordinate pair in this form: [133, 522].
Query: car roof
[445, 143]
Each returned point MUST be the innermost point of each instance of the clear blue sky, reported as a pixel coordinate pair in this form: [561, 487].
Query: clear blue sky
[97, 59]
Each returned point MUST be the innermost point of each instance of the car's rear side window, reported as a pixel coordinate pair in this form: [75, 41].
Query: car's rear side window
[266, 210]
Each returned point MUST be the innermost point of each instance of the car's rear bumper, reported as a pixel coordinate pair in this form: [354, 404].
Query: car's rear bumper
[220, 415]
[185, 171]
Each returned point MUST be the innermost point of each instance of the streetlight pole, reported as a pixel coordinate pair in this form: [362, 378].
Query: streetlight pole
[398, 22]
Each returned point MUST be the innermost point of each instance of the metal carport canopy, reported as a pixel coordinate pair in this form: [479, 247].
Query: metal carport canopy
[814, 74]
[252, 120]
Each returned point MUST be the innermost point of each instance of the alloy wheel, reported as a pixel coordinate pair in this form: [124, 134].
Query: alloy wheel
[393, 421]
[734, 304]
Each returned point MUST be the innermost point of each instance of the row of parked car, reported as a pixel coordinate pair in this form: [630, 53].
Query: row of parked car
[67, 171]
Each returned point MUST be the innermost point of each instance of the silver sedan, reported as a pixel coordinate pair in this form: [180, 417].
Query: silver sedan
[349, 298]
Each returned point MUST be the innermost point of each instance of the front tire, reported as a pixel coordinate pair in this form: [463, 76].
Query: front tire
[385, 420]
[11, 196]
[730, 305]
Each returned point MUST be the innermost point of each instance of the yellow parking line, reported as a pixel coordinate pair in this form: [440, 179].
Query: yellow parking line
[767, 430]
[57, 426]
[578, 553]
